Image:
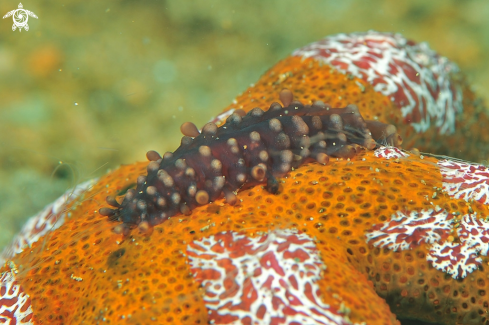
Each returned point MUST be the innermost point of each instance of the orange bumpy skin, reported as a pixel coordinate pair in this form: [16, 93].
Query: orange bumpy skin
[385, 234]
[83, 272]
[312, 80]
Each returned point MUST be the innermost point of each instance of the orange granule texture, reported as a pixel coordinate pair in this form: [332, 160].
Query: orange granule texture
[83, 273]
[311, 80]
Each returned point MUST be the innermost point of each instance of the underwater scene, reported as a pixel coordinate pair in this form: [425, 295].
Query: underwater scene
[244, 162]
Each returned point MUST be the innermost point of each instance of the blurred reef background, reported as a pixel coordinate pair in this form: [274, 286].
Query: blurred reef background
[93, 85]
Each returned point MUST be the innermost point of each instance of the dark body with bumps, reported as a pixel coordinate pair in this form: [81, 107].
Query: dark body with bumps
[246, 151]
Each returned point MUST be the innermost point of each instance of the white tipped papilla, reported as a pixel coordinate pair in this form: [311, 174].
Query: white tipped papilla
[275, 106]
[167, 155]
[235, 118]
[180, 163]
[275, 125]
[336, 121]
[284, 167]
[186, 141]
[121, 230]
[256, 112]
[192, 190]
[258, 172]
[233, 145]
[130, 194]
[141, 180]
[235, 150]
[145, 228]
[175, 198]
[286, 156]
[165, 178]
[151, 190]
[216, 165]
[141, 205]
[319, 103]
[241, 178]
[202, 197]
[205, 151]
[300, 125]
[190, 172]
[254, 136]
[263, 155]
[232, 142]
[161, 202]
[209, 129]
[153, 167]
[219, 182]
[230, 197]
[283, 140]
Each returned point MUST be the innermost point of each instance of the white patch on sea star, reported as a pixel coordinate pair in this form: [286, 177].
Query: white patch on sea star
[390, 153]
[262, 280]
[15, 305]
[412, 75]
[465, 181]
[407, 230]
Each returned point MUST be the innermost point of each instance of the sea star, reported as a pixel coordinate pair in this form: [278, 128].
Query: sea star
[388, 233]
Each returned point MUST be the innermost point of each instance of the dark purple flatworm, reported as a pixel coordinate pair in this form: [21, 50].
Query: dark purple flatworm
[245, 151]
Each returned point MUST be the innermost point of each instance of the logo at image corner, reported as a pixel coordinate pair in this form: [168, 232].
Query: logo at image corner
[20, 16]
